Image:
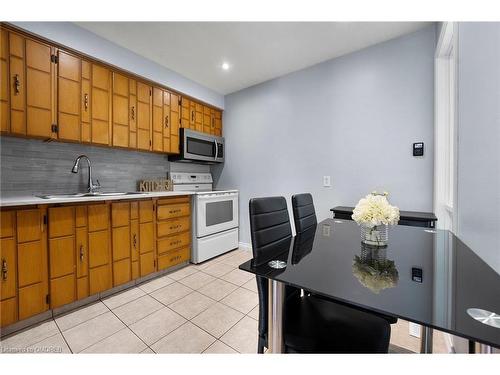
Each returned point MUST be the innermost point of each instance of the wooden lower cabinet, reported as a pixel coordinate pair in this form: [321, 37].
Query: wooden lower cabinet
[54, 255]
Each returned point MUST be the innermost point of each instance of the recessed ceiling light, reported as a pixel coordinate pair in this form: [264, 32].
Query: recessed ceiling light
[225, 66]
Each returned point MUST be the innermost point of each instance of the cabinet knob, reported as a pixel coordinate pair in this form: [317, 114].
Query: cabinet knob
[17, 84]
[4, 269]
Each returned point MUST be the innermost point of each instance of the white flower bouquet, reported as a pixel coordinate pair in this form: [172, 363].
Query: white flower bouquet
[374, 214]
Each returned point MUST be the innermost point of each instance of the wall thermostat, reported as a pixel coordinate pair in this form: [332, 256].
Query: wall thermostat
[417, 274]
[418, 149]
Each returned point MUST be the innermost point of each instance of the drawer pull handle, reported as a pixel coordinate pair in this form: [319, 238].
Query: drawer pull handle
[4, 269]
[174, 211]
[81, 253]
[175, 258]
[17, 84]
[175, 242]
[175, 226]
[86, 102]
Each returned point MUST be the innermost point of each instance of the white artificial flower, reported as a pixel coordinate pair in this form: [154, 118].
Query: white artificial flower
[374, 209]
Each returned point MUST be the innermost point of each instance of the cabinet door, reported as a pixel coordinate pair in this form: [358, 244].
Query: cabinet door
[101, 114]
[174, 123]
[192, 115]
[8, 267]
[4, 82]
[62, 271]
[157, 119]
[146, 238]
[82, 253]
[166, 121]
[69, 90]
[198, 120]
[17, 60]
[218, 123]
[133, 113]
[86, 103]
[32, 267]
[207, 119]
[143, 116]
[134, 240]
[39, 89]
[185, 113]
[147, 263]
[120, 110]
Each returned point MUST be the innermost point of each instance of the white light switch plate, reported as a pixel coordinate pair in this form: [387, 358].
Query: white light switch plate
[414, 329]
[327, 181]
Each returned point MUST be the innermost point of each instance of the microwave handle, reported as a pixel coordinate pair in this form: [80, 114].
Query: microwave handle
[216, 149]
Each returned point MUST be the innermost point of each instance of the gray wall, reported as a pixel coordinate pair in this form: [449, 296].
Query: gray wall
[479, 139]
[354, 118]
[34, 167]
[91, 44]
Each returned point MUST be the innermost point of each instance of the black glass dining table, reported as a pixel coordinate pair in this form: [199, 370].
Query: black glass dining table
[426, 276]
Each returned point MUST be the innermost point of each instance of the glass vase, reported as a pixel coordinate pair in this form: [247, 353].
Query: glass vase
[377, 235]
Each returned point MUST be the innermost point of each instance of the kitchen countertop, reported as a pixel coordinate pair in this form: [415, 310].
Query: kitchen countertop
[33, 200]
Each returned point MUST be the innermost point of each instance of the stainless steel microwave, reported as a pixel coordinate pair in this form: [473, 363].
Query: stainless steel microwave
[200, 147]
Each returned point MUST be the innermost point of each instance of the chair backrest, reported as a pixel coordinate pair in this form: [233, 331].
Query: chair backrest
[304, 215]
[270, 229]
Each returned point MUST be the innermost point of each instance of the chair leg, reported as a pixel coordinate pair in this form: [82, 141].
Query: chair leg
[260, 345]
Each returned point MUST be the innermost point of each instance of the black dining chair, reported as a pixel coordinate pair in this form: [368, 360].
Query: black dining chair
[311, 325]
[304, 217]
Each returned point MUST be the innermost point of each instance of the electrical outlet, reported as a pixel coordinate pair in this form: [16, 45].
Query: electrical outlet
[326, 181]
[326, 230]
[414, 329]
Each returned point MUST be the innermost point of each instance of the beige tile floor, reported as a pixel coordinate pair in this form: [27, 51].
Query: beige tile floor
[206, 308]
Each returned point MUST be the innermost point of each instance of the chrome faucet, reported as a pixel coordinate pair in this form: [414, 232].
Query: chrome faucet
[92, 188]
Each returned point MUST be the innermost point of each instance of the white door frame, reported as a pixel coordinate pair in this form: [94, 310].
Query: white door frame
[445, 129]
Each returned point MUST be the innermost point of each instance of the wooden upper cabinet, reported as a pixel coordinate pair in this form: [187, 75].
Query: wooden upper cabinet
[132, 113]
[158, 119]
[185, 113]
[207, 119]
[69, 90]
[17, 86]
[218, 123]
[121, 117]
[101, 103]
[174, 123]
[39, 89]
[198, 119]
[144, 116]
[4, 82]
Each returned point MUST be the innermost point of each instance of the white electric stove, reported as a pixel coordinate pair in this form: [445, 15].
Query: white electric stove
[215, 215]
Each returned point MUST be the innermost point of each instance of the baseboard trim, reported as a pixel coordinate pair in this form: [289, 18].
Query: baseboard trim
[245, 246]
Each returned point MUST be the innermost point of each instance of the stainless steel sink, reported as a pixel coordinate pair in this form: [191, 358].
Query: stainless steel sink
[81, 195]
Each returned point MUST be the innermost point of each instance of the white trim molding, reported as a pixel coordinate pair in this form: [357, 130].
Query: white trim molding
[445, 129]
[245, 246]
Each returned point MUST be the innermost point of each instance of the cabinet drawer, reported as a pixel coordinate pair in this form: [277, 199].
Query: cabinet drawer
[61, 221]
[7, 224]
[172, 226]
[173, 257]
[173, 200]
[174, 242]
[173, 210]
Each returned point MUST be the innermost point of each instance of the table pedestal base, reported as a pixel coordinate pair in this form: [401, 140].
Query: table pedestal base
[275, 317]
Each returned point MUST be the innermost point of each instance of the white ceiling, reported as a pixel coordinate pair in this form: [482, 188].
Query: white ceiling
[256, 51]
